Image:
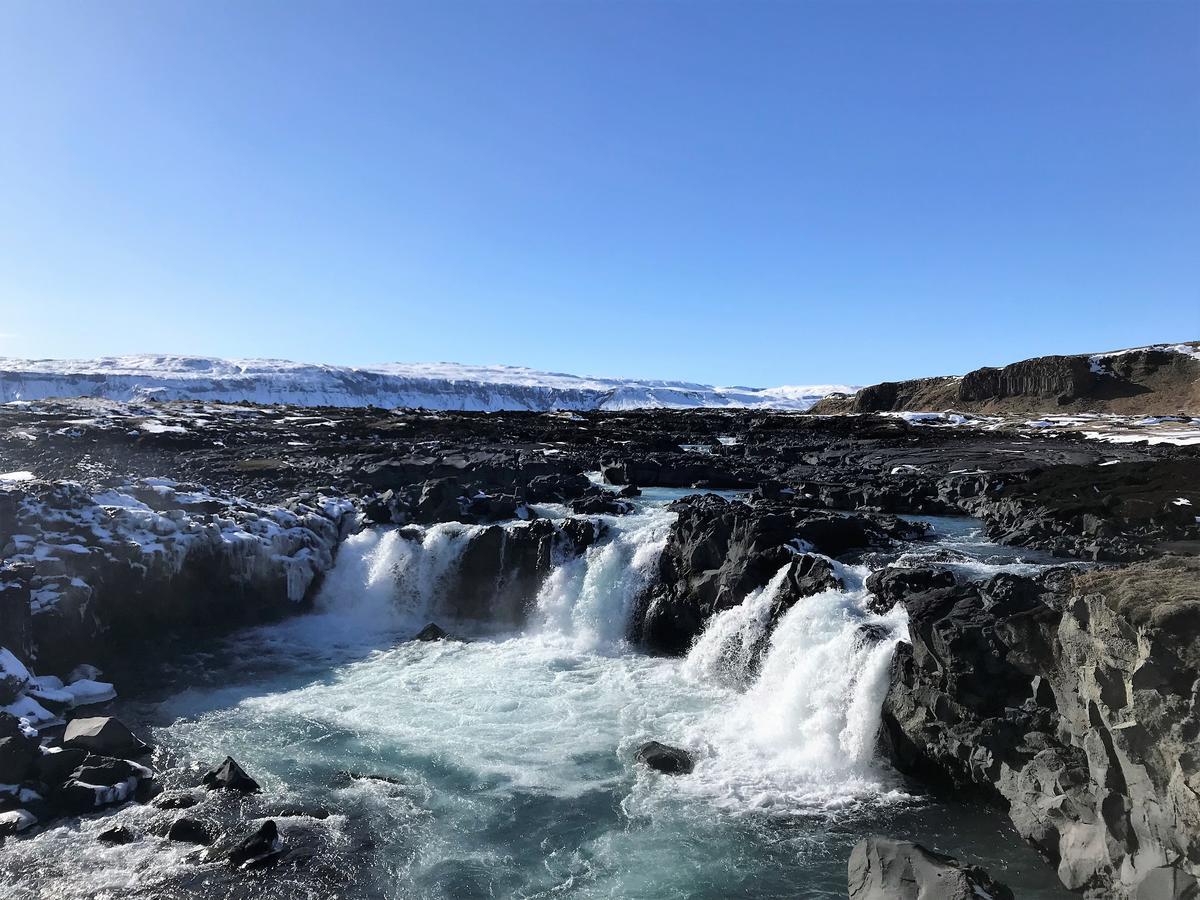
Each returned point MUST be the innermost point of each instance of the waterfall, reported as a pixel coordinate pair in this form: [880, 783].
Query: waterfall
[802, 733]
[589, 599]
[727, 649]
[389, 579]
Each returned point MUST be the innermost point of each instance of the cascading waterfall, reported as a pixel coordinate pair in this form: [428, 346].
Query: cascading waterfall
[801, 736]
[387, 580]
[725, 652]
[504, 766]
[589, 599]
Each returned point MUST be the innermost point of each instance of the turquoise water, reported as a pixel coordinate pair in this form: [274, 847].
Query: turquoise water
[502, 767]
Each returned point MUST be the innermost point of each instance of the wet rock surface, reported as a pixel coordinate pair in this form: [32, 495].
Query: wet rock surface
[884, 869]
[720, 550]
[665, 759]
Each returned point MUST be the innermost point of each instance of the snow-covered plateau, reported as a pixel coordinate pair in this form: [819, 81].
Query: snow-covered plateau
[441, 386]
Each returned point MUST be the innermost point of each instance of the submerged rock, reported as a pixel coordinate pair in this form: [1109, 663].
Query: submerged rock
[884, 869]
[103, 735]
[176, 800]
[187, 830]
[118, 834]
[229, 776]
[665, 759]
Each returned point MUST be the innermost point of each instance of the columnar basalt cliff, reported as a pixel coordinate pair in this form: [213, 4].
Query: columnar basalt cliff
[1159, 380]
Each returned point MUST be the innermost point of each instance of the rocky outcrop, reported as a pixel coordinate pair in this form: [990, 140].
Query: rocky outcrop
[1072, 701]
[501, 569]
[1161, 380]
[1121, 512]
[101, 569]
[718, 551]
[1059, 379]
[881, 868]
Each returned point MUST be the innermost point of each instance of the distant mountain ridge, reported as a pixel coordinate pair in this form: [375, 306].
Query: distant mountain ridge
[440, 386]
[1161, 379]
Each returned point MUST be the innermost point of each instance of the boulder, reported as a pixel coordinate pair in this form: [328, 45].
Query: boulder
[665, 759]
[54, 766]
[18, 752]
[258, 849]
[187, 830]
[229, 776]
[884, 869]
[16, 820]
[103, 735]
[116, 835]
[75, 797]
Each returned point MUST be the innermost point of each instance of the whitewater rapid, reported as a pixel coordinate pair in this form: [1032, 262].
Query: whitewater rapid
[502, 765]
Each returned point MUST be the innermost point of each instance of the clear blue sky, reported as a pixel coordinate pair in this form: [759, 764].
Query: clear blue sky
[755, 193]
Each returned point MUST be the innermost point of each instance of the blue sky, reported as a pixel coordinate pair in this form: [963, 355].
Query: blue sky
[755, 193]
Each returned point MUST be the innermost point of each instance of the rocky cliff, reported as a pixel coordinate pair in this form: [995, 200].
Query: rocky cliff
[1073, 702]
[1159, 380]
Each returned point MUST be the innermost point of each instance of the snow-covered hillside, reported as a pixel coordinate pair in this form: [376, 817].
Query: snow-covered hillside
[430, 385]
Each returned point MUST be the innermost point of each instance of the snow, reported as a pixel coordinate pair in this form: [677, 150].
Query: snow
[447, 386]
[11, 668]
[1097, 362]
[16, 476]
[85, 691]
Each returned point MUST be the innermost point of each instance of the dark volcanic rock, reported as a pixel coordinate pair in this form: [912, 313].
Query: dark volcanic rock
[884, 869]
[258, 849]
[103, 735]
[1059, 378]
[1112, 513]
[116, 835]
[890, 585]
[1070, 701]
[560, 487]
[176, 800]
[498, 575]
[229, 776]
[718, 551]
[187, 830]
[431, 632]
[601, 503]
[665, 759]
[17, 755]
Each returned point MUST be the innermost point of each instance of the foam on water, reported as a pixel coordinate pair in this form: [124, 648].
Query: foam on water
[510, 757]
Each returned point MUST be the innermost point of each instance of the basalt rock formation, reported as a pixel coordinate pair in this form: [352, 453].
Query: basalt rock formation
[1070, 700]
[1161, 380]
[719, 550]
